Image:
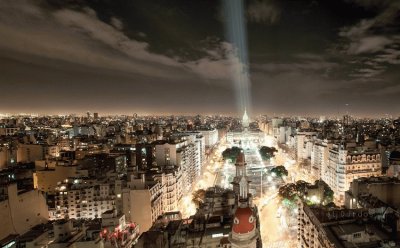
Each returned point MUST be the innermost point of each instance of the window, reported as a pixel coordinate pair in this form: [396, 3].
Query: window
[251, 219]
[357, 235]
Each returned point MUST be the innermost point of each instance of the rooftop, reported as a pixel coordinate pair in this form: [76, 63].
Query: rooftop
[34, 233]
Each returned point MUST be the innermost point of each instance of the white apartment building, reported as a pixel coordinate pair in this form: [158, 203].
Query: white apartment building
[198, 140]
[165, 152]
[143, 202]
[348, 163]
[276, 123]
[86, 199]
[171, 185]
[319, 157]
[210, 137]
[186, 155]
[189, 162]
[282, 135]
[304, 144]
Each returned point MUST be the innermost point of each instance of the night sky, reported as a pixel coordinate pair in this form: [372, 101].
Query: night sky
[170, 57]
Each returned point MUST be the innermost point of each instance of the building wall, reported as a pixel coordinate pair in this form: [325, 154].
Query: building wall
[8, 131]
[46, 180]
[3, 157]
[309, 233]
[275, 124]
[384, 188]
[319, 159]
[85, 201]
[169, 187]
[210, 137]
[282, 135]
[304, 144]
[345, 166]
[188, 162]
[53, 151]
[29, 153]
[142, 207]
[166, 154]
[20, 212]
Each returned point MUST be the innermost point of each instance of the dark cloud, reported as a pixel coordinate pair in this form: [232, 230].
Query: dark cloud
[172, 56]
[375, 40]
[266, 11]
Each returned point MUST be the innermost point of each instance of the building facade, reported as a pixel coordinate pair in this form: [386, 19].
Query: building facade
[20, 210]
[348, 163]
[78, 198]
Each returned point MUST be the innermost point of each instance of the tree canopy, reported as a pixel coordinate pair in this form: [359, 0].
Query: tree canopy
[267, 152]
[280, 171]
[231, 153]
[292, 191]
[328, 192]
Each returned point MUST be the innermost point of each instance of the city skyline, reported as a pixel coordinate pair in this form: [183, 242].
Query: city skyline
[199, 124]
[306, 58]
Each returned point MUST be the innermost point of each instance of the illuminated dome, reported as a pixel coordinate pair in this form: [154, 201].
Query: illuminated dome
[244, 221]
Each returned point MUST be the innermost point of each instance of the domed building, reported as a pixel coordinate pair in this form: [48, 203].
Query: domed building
[244, 228]
[245, 120]
[245, 136]
[241, 181]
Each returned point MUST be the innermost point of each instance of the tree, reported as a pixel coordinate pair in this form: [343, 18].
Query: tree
[280, 171]
[231, 153]
[301, 187]
[288, 191]
[267, 152]
[328, 192]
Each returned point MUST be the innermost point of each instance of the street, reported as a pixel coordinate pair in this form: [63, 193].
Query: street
[278, 229]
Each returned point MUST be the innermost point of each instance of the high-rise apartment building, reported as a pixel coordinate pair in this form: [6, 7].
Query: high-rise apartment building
[349, 162]
[143, 201]
[78, 198]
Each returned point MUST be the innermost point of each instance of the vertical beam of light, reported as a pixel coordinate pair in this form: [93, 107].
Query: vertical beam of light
[237, 36]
